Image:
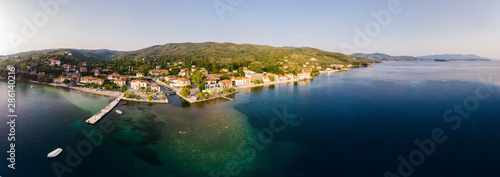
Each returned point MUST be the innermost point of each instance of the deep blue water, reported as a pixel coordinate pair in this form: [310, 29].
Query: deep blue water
[353, 123]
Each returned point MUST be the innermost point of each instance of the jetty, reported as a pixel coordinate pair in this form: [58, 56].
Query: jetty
[98, 116]
[227, 98]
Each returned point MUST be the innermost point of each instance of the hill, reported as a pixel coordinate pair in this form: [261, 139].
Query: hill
[76, 54]
[455, 57]
[242, 53]
[385, 57]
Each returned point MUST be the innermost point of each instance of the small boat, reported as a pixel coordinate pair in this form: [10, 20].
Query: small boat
[124, 103]
[31, 86]
[119, 112]
[54, 153]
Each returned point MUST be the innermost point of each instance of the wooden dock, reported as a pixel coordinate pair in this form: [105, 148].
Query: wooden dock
[227, 98]
[98, 116]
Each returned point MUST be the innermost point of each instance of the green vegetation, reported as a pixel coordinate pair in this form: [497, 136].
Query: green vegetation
[66, 81]
[123, 88]
[232, 89]
[211, 56]
[197, 77]
[185, 91]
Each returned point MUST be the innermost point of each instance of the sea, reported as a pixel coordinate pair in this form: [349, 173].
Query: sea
[395, 119]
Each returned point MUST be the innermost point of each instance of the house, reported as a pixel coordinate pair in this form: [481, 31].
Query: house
[156, 88]
[183, 82]
[83, 69]
[235, 71]
[301, 75]
[97, 73]
[113, 76]
[120, 82]
[124, 77]
[239, 81]
[276, 78]
[283, 78]
[214, 76]
[289, 76]
[337, 66]
[92, 80]
[247, 71]
[182, 73]
[329, 69]
[61, 80]
[74, 78]
[66, 67]
[226, 84]
[154, 72]
[255, 76]
[163, 71]
[83, 64]
[307, 74]
[138, 84]
[266, 79]
[211, 81]
[138, 75]
[246, 80]
[87, 79]
[99, 81]
[313, 59]
[170, 78]
[55, 62]
[318, 67]
[224, 70]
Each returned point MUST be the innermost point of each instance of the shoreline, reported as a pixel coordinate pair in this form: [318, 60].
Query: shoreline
[102, 93]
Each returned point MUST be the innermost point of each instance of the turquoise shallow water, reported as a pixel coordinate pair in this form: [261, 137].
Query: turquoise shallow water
[354, 123]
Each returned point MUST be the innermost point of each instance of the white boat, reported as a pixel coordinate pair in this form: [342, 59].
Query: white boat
[119, 112]
[31, 86]
[54, 153]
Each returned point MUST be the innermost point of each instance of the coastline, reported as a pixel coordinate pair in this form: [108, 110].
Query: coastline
[103, 93]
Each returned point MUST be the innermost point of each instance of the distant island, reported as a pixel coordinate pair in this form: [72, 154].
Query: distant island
[455, 57]
[449, 57]
[441, 60]
[385, 57]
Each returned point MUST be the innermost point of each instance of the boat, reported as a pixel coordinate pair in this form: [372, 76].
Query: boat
[119, 112]
[124, 103]
[31, 86]
[54, 153]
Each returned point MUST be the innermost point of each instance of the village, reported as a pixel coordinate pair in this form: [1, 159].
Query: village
[194, 84]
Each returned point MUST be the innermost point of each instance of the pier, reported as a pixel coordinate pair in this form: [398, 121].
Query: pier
[98, 116]
[227, 98]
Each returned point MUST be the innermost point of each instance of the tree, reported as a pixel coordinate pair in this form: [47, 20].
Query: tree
[225, 90]
[256, 66]
[41, 76]
[150, 97]
[138, 97]
[200, 95]
[240, 71]
[87, 84]
[272, 78]
[123, 88]
[197, 77]
[201, 86]
[232, 89]
[185, 91]
[66, 81]
[225, 77]
[127, 95]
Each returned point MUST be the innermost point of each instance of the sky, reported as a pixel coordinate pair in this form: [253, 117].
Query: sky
[402, 27]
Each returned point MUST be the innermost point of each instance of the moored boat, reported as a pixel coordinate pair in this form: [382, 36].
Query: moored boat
[119, 112]
[54, 153]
